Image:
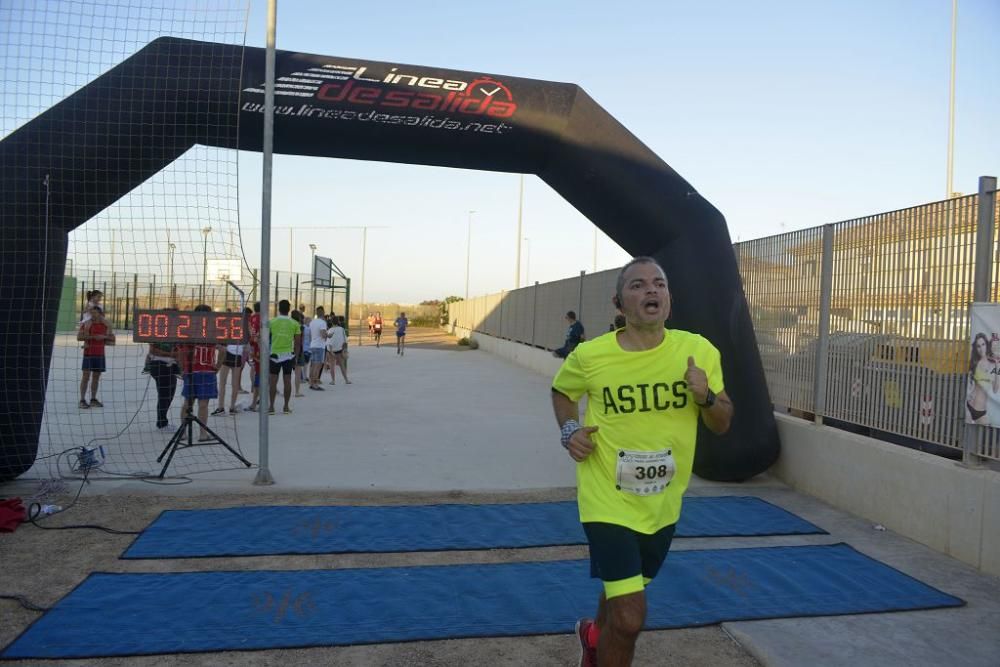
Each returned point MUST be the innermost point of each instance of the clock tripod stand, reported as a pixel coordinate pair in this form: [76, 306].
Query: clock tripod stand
[184, 438]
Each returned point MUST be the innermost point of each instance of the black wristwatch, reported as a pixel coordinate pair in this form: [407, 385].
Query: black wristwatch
[709, 400]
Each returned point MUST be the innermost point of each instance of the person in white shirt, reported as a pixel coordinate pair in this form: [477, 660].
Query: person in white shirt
[232, 363]
[317, 349]
[302, 369]
[93, 301]
[336, 346]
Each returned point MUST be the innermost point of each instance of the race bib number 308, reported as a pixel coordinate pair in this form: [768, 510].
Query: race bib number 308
[644, 473]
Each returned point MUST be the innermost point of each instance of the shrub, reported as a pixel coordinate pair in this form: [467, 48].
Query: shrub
[473, 344]
[463, 341]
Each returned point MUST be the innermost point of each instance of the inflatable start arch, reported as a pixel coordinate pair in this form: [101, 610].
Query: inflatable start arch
[98, 144]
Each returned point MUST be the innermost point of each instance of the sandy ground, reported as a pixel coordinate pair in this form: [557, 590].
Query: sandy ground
[44, 565]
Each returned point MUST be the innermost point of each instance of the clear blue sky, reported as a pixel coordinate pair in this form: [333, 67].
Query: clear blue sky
[783, 114]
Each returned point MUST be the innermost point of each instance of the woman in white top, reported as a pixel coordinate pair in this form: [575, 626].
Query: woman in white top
[336, 349]
[231, 364]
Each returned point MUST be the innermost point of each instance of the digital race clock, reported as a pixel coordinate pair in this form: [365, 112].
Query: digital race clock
[188, 326]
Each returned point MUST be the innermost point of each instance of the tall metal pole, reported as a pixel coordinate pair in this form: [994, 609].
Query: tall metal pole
[312, 270]
[204, 261]
[171, 249]
[520, 208]
[949, 187]
[595, 249]
[982, 269]
[527, 260]
[361, 304]
[468, 255]
[823, 342]
[168, 258]
[263, 471]
[983, 266]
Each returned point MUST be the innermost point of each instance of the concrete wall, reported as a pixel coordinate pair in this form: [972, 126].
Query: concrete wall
[935, 501]
[533, 358]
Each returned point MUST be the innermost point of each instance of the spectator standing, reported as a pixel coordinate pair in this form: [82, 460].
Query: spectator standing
[317, 349]
[200, 364]
[95, 335]
[574, 336]
[93, 301]
[255, 356]
[336, 342]
[163, 369]
[232, 364]
[286, 343]
[247, 314]
[300, 358]
[302, 372]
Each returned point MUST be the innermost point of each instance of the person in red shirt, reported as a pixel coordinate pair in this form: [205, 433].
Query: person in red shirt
[95, 334]
[377, 324]
[200, 364]
[254, 324]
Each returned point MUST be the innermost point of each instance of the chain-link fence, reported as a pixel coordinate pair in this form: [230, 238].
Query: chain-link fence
[123, 293]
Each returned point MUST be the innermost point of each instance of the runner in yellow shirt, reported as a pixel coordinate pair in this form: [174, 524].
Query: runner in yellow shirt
[646, 387]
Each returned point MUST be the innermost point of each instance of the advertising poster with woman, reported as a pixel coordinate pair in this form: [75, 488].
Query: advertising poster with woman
[982, 399]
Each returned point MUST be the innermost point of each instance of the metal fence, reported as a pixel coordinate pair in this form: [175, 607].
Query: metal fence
[865, 321]
[535, 315]
[123, 293]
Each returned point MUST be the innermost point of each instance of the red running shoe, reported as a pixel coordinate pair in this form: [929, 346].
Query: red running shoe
[588, 653]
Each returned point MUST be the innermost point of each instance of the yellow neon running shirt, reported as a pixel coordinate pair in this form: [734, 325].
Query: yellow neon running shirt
[639, 402]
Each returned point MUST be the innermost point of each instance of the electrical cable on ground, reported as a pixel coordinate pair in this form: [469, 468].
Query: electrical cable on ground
[24, 602]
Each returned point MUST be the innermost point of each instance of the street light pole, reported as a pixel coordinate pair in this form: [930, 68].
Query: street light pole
[171, 248]
[595, 249]
[364, 257]
[468, 255]
[312, 270]
[520, 207]
[365, 228]
[527, 261]
[204, 261]
[264, 477]
[949, 187]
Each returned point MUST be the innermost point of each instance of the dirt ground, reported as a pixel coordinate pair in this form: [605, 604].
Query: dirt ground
[44, 565]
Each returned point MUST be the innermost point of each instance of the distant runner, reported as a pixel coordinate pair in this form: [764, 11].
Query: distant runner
[401, 323]
[377, 328]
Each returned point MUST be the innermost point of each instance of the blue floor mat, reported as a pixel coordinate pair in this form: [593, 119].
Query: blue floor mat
[278, 530]
[155, 613]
